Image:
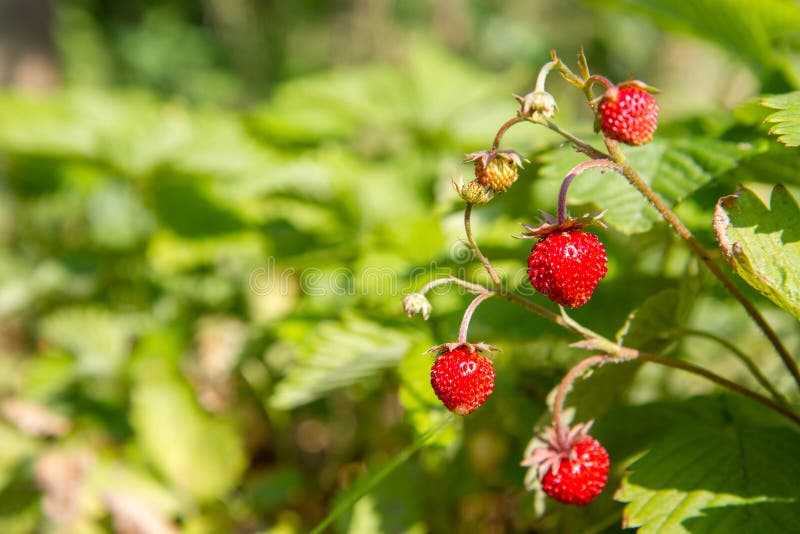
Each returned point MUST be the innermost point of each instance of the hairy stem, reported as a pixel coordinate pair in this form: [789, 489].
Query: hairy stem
[566, 384]
[462, 332]
[501, 132]
[474, 246]
[562, 194]
[744, 358]
[472, 288]
[698, 250]
[580, 146]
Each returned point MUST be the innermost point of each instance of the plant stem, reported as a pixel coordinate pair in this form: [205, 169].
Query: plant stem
[462, 332]
[543, 72]
[474, 246]
[358, 491]
[685, 234]
[579, 145]
[745, 359]
[566, 384]
[501, 132]
[724, 382]
[562, 194]
[472, 288]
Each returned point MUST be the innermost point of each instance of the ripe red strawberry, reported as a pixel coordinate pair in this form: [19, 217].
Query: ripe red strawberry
[566, 266]
[572, 467]
[581, 476]
[628, 113]
[462, 378]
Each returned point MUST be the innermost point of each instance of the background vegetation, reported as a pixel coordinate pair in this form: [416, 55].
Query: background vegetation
[209, 212]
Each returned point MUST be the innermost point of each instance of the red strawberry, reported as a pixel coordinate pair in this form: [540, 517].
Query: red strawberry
[462, 378]
[573, 467]
[566, 266]
[628, 113]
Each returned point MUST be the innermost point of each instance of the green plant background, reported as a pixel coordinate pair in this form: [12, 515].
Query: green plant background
[208, 222]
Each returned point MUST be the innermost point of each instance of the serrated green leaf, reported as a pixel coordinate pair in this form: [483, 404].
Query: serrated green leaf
[698, 477]
[787, 119]
[674, 168]
[337, 355]
[763, 244]
[199, 454]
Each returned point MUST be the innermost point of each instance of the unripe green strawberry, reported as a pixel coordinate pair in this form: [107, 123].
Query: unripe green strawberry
[628, 113]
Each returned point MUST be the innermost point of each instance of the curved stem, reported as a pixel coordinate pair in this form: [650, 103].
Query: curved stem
[724, 382]
[562, 194]
[602, 80]
[579, 145]
[543, 72]
[744, 358]
[469, 286]
[474, 246]
[566, 384]
[685, 234]
[462, 331]
[501, 132]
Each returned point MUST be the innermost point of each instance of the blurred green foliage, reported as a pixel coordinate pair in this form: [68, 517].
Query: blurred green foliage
[206, 231]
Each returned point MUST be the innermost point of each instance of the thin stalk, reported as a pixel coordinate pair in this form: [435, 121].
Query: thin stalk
[566, 384]
[472, 288]
[685, 234]
[501, 132]
[724, 382]
[474, 246]
[579, 145]
[562, 194]
[744, 358]
[355, 494]
[543, 72]
[462, 331]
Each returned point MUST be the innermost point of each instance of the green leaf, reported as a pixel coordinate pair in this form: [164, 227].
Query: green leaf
[787, 119]
[199, 454]
[98, 338]
[650, 328]
[423, 409]
[674, 169]
[763, 244]
[715, 476]
[339, 354]
[749, 30]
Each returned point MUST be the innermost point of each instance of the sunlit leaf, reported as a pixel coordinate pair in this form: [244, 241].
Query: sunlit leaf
[786, 119]
[339, 354]
[199, 454]
[762, 243]
[720, 472]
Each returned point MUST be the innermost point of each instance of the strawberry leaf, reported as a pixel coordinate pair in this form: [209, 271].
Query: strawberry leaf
[674, 168]
[715, 475]
[763, 244]
[337, 355]
[748, 30]
[786, 119]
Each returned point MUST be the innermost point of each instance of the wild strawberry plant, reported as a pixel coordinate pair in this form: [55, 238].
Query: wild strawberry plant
[567, 263]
